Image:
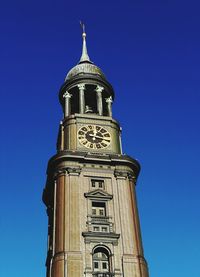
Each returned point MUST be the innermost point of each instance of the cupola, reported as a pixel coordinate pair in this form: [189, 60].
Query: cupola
[86, 89]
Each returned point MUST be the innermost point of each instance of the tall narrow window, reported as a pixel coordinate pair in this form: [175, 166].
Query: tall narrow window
[101, 262]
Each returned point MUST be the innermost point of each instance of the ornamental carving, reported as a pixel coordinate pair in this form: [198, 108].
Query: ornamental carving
[68, 170]
[73, 170]
[98, 194]
[84, 68]
[123, 174]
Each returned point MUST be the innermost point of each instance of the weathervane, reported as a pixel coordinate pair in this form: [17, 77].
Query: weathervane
[82, 26]
[84, 56]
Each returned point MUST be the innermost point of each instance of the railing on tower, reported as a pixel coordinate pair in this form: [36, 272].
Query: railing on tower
[103, 274]
[94, 218]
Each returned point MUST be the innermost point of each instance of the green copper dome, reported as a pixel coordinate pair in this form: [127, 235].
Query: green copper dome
[84, 68]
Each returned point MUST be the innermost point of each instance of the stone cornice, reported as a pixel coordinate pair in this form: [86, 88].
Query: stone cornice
[87, 158]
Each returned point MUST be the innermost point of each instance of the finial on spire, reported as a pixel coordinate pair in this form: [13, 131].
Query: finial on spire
[84, 56]
[82, 26]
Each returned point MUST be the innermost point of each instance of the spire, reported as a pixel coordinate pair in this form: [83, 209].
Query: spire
[84, 56]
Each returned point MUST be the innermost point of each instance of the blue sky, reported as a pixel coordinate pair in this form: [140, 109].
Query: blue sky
[149, 51]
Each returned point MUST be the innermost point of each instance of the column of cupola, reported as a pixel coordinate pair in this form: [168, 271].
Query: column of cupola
[109, 105]
[67, 109]
[81, 98]
[99, 90]
[82, 109]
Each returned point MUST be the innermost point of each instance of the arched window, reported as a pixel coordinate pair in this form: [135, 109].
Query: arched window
[101, 262]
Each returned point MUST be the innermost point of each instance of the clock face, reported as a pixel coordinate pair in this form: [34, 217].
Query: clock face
[94, 137]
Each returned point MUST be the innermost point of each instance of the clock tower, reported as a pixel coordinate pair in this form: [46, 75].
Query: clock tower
[93, 222]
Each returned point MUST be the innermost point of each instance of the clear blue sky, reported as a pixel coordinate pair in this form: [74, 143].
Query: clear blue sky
[149, 51]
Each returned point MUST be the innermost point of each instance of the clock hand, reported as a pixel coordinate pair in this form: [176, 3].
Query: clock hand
[91, 135]
[95, 131]
[106, 139]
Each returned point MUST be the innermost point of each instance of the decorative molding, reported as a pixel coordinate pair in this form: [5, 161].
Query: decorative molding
[102, 220]
[67, 95]
[68, 170]
[73, 171]
[109, 100]
[124, 174]
[100, 194]
[99, 88]
[121, 174]
[59, 173]
[99, 237]
[81, 86]
[131, 177]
